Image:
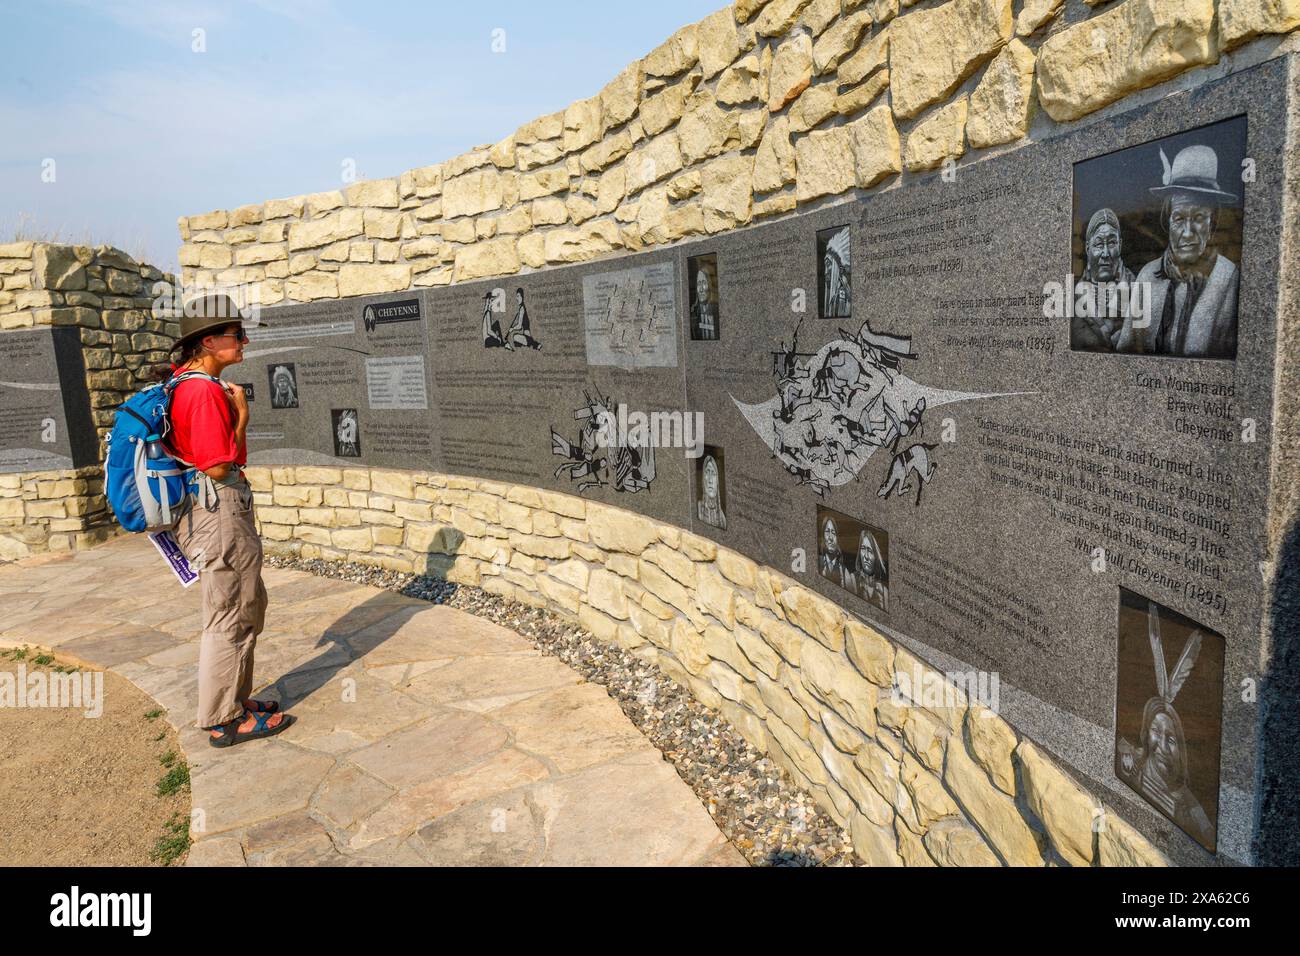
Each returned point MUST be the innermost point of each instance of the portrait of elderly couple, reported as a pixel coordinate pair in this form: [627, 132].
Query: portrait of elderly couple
[1166, 215]
[854, 556]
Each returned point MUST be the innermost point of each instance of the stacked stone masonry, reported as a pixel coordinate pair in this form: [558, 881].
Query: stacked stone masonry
[762, 109]
[125, 328]
[797, 676]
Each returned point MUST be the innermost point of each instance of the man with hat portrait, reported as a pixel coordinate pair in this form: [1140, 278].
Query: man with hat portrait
[1192, 289]
[218, 531]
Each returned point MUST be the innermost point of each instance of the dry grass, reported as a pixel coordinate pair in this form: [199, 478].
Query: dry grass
[109, 791]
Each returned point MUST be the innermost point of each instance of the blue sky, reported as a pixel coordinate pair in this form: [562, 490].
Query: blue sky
[142, 129]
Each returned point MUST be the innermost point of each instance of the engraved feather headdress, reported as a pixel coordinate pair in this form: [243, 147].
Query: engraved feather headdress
[1168, 685]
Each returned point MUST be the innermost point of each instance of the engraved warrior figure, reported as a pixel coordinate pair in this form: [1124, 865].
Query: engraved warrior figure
[346, 434]
[836, 293]
[285, 391]
[1156, 766]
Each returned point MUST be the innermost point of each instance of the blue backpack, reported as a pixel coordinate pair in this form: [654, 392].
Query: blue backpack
[144, 483]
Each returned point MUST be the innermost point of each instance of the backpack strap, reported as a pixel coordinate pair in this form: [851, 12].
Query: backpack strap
[205, 493]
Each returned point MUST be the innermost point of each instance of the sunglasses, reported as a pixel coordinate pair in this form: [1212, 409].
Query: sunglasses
[240, 335]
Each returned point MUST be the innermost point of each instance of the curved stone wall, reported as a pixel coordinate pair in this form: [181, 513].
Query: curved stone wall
[915, 782]
[761, 109]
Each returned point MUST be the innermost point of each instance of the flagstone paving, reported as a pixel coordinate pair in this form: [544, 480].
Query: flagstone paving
[425, 735]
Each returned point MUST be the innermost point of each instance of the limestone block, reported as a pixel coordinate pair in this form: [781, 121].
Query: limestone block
[932, 51]
[16, 250]
[991, 744]
[210, 220]
[342, 225]
[718, 42]
[583, 124]
[876, 147]
[874, 843]
[727, 192]
[318, 203]
[792, 71]
[746, 9]
[1067, 812]
[1132, 45]
[579, 245]
[654, 160]
[374, 192]
[687, 645]
[318, 476]
[991, 810]
[871, 653]
[757, 652]
[839, 41]
[819, 14]
[620, 96]
[715, 596]
[247, 255]
[675, 55]
[1002, 104]
[311, 286]
[884, 10]
[825, 163]
[956, 843]
[609, 150]
[741, 83]
[615, 530]
[472, 194]
[356, 279]
[545, 182]
[664, 108]
[830, 678]
[940, 136]
[490, 258]
[774, 163]
[814, 105]
[782, 638]
[1120, 844]
[821, 619]
[1035, 13]
[605, 594]
[845, 737]
[736, 568]
[1242, 20]
[60, 267]
[535, 155]
[778, 17]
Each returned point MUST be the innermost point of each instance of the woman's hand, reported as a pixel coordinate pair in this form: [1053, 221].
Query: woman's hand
[238, 400]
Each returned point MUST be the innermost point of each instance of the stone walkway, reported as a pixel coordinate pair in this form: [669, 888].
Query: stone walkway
[425, 735]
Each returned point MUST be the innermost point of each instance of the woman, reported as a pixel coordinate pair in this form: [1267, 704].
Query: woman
[218, 533]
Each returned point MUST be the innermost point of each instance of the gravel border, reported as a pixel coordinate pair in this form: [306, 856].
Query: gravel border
[756, 805]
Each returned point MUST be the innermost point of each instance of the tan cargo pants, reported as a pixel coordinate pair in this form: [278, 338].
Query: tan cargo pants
[224, 547]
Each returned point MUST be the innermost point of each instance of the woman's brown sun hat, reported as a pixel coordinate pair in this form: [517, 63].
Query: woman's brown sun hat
[205, 315]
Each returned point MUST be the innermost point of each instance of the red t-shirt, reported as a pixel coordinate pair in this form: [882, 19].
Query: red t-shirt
[203, 425]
